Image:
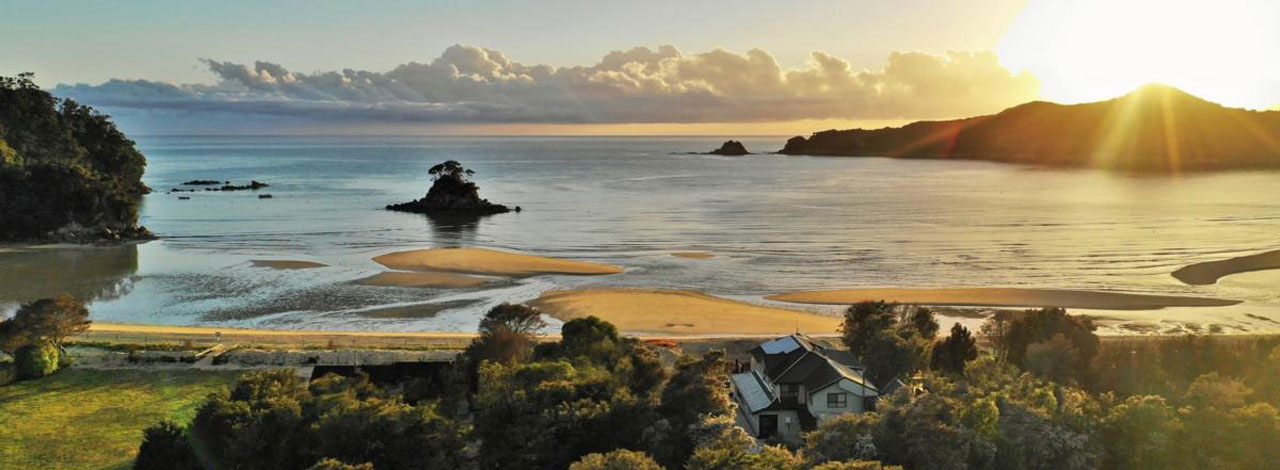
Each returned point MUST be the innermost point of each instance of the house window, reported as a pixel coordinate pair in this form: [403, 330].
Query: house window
[790, 392]
[837, 400]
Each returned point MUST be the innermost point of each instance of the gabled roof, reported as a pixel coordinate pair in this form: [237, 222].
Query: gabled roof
[755, 395]
[796, 359]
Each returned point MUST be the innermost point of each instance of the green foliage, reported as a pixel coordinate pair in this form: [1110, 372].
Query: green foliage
[951, 354]
[332, 464]
[843, 438]
[856, 465]
[36, 360]
[891, 341]
[621, 459]
[725, 458]
[270, 420]
[1047, 342]
[165, 447]
[43, 321]
[62, 163]
[1140, 433]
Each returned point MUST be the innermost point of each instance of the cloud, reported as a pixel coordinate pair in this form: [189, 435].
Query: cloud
[468, 84]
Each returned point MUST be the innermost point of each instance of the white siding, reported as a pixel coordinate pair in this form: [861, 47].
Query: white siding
[855, 393]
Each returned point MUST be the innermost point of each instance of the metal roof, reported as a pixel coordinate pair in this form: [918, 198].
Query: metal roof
[755, 396]
[781, 345]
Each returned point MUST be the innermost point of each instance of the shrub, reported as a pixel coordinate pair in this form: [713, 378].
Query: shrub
[620, 459]
[36, 360]
[165, 447]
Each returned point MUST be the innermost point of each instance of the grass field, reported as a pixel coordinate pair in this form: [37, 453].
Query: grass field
[93, 419]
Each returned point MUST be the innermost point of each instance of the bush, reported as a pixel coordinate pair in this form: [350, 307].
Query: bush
[620, 459]
[165, 447]
[36, 360]
[331, 464]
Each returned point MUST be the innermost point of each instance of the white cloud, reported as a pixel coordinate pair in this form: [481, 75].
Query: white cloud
[469, 84]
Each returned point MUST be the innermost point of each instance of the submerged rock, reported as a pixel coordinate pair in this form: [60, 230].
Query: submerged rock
[731, 148]
[452, 192]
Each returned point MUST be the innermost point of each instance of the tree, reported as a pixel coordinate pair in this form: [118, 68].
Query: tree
[768, 458]
[620, 459]
[507, 333]
[864, 320]
[38, 360]
[450, 170]
[1013, 334]
[165, 447]
[1056, 359]
[894, 353]
[950, 355]
[921, 319]
[1140, 434]
[45, 320]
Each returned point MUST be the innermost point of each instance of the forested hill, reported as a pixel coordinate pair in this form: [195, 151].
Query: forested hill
[1154, 129]
[66, 172]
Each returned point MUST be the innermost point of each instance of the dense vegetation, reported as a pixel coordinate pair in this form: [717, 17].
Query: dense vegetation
[1049, 395]
[33, 336]
[1154, 129]
[66, 172]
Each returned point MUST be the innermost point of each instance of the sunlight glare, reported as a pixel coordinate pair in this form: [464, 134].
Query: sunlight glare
[1087, 50]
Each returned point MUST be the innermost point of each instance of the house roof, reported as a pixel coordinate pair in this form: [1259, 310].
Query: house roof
[796, 359]
[755, 395]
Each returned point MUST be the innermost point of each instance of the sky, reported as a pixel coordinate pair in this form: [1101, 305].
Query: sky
[603, 67]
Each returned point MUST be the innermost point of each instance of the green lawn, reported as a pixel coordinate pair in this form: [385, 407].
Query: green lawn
[93, 419]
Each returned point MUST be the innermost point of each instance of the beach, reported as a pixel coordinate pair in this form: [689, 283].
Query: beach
[1002, 297]
[681, 313]
[489, 262]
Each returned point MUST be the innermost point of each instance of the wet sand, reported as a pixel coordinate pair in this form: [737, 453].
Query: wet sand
[680, 312]
[286, 264]
[424, 279]
[1209, 272]
[1003, 297]
[693, 255]
[488, 262]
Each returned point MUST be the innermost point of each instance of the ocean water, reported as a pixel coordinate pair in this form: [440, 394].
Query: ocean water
[774, 223]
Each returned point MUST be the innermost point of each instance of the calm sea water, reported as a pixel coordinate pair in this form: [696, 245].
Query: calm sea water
[775, 224]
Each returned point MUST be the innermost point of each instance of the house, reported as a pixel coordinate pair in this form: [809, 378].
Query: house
[794, 383]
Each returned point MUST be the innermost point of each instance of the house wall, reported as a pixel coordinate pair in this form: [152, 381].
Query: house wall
[818, 402]
[788, 425]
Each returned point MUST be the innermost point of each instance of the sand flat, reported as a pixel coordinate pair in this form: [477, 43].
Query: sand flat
[693, 255]
[488, 262]
[1209, 272]
[680, 312]
[424, 279]
[286, 264]
[1003, 297]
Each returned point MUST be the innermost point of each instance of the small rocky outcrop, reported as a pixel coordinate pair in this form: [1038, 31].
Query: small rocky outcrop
[731, 148]
[452, 193]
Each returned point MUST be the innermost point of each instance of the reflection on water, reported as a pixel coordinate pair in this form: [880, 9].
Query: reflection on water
[88, 273]
[776, 224]
[454, 229]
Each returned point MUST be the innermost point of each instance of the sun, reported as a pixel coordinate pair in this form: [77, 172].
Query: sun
[1086, 50]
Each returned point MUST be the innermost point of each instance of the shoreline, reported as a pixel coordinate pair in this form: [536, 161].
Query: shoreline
[1002, 297]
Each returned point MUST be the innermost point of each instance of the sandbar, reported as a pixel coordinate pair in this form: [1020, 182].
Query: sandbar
[1003, 297]
[680, 312]
[693, 255]
[423, 279]
[286, 264]
[488, 262]
[1209, 272]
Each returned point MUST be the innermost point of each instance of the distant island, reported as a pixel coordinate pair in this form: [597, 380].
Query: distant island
[66, 172]
[452, 193]
[731, 148]
[1156, 129]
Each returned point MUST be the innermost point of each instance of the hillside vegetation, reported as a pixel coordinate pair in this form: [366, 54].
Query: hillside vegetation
[66, 172]
[1154, 129]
